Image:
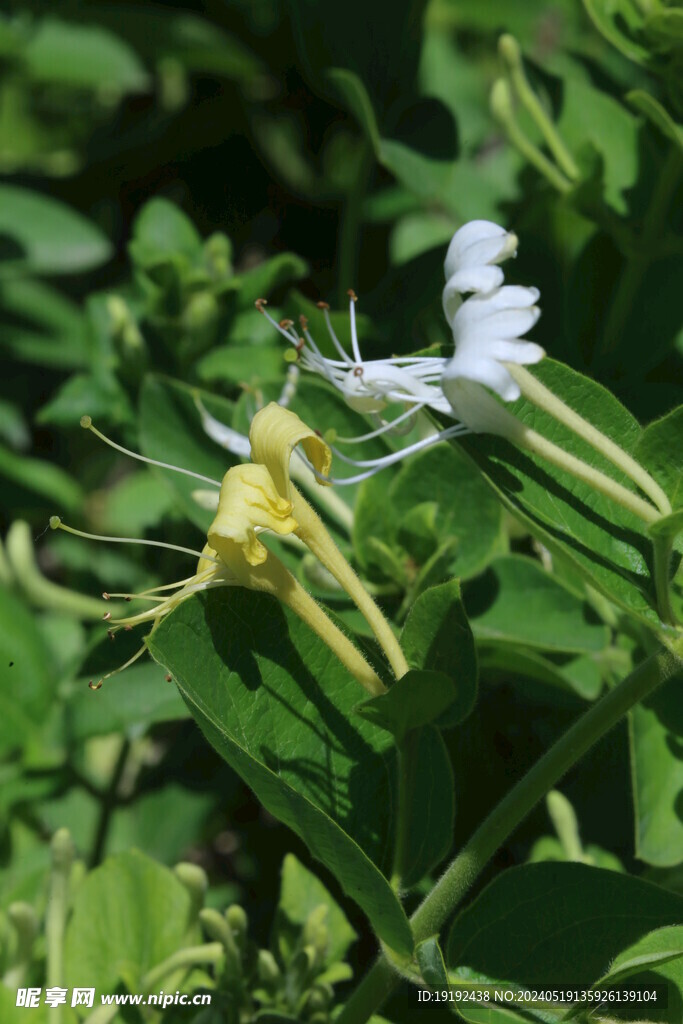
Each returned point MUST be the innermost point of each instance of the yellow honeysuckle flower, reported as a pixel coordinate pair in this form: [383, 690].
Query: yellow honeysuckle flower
[248, 501]
[274, 434]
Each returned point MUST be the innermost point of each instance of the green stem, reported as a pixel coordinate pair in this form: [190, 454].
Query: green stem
[663, 546]
[642, 255]
[406, 755]
[351, 222]
[508, 815]
[56, 913]
[109, 801]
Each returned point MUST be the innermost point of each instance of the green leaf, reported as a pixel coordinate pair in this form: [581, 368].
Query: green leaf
[437, 637]
[431, 813]
[551, 924]
[430, 961]
[649, 953]
[592, 117]
[140, 697]
[604, 542]
[657, 762]
[657, 114]
[162, 230]
[129, 915]
[659, 449]
[41, 478]
[99, 395]
[326, 774]
[50, 238]
[582, 674]
[418, 698]
[26, 681]
[554, 618]
[249, 365]
[269, 275]
[79, 56]
[40, 325]
[300, 893]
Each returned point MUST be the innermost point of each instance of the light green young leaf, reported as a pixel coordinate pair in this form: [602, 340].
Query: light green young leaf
[128, 916]
[50, 238]
[300, 893]
[66, 53]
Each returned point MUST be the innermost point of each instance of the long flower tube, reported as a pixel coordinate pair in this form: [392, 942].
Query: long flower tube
[275, 433]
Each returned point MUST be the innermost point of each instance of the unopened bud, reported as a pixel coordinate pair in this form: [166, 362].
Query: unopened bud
[267, 968]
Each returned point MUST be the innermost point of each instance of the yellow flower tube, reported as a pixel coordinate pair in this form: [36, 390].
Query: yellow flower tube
[275, 432]
[249, 502]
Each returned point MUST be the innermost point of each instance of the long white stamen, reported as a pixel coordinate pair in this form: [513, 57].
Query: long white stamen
[57, 524]
[335, 340]
[388, 460]
[87, 424]
[354, 335]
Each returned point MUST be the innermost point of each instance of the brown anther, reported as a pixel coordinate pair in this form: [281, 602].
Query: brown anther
[128, 598]
[358, 371]
[303, 320]
[111, 634]
[95, 686]
[169, 679]
[106, 616]
[323, 305]
[260, 303]
[352, 295]
[300, 344]
[286, 324]
[105, 595]
[128, 628]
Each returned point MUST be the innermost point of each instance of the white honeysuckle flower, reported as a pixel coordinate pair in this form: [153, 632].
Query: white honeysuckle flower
[470, 264]
[487, 333]
[367, 385]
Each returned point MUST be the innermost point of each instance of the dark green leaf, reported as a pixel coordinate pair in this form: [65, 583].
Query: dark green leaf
[436, 636]
[556, 924]
[603, 541]
[325, 773]
[418, 698]
[430, 961]
[431, 790]
[553, 618]
[83, 57]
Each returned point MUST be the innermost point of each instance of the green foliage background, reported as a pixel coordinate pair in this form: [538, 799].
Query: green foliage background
[161, 167]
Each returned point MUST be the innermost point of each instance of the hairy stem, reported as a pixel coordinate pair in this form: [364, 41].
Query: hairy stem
[459, 877]
[545, 399]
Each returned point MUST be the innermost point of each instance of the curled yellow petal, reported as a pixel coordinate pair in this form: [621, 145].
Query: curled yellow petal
[248, 501]
[275, 432]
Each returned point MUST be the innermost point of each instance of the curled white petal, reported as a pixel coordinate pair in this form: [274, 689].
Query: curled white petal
[470, 264]
[487, 333]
